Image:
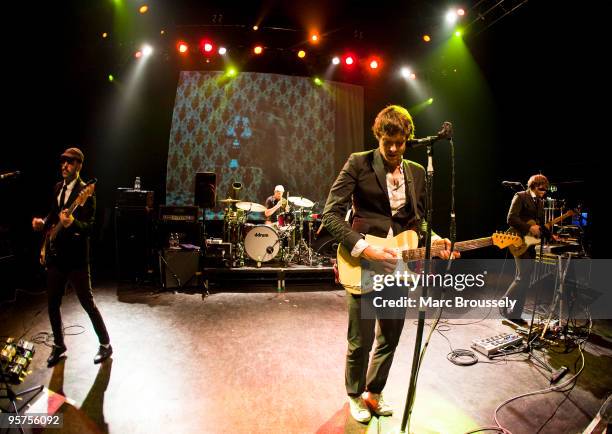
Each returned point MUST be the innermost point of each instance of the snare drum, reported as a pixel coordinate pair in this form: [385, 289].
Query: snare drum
[262, 243]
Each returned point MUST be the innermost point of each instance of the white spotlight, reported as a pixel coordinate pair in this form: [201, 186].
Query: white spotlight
[336, 60]
[451, 17]
[405, 72]
[222, 50]
[147, 50]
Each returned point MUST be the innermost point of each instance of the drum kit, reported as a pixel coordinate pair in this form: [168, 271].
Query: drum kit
[289, 240]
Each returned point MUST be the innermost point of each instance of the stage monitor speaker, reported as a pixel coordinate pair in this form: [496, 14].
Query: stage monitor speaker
[205, 189]
[178, 268]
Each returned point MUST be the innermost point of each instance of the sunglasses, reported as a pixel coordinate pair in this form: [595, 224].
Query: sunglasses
[68, 160]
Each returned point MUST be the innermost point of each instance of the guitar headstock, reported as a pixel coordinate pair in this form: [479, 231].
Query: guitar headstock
[86, 192]
[503, 240]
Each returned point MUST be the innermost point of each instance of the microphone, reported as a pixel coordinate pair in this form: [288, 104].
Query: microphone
[10, 174]
[445, 133]
[415, 143]
[512, 184]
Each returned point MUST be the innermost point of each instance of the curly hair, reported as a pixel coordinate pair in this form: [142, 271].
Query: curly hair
[393, 120]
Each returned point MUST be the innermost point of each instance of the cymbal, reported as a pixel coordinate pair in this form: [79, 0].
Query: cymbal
[301, 201]
[250, 206]
[228, 200]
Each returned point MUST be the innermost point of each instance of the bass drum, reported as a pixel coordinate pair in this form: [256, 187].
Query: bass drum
[262, 243]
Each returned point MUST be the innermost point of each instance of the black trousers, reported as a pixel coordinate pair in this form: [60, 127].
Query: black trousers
[361, 375]
[520, 285]
[80, 280]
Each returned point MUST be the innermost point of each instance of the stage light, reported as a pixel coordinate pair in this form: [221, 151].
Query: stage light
[336, 60]
[138, 54]
[349, 60]
[374, 63]
[460, 12]
[143, 9]
[451, 17]
[426, 38]
[412, 76]
[231, 72]
[182, 47]
[147, 50]
[105, 35]
[206, 47]
[314, 38]
[258, 49]
[111, 78]
[222, 51]
[318, 81]
[458, 33]
[162, 32]
[255, 28]
[301, 54]
[405, 72]
[430, 101]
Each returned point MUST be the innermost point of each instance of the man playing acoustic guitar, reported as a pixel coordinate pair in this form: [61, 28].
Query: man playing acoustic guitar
[66, 253]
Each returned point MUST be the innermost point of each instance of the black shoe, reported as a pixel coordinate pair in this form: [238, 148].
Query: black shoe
[103, 354]
[57, 353]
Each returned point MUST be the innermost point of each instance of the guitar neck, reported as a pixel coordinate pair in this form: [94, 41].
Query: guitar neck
[560, 218]
[461, 246]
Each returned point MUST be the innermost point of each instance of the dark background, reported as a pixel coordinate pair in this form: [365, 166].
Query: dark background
[56, 94]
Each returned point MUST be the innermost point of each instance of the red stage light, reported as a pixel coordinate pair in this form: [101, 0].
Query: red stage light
[258, 49]
[349, 60]
[206, 47]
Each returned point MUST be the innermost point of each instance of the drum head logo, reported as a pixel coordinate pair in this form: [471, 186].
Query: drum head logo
[261, 234]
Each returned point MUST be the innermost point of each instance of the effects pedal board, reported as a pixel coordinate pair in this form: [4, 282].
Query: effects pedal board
[494, 344]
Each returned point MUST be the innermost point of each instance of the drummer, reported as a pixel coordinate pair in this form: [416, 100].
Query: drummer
[274, 204]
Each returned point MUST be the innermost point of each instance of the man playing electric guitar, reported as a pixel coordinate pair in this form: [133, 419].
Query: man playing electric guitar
[66, 257]
[388, 197]
[526, 208]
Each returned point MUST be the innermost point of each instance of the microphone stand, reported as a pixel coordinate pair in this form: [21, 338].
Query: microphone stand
[421, 320]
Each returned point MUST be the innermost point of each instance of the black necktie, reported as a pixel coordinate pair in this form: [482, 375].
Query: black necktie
[63, 197]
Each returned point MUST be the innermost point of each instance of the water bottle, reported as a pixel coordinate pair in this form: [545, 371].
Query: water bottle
[137, 183]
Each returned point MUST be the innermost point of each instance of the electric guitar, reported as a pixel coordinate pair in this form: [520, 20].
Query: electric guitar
[48, 247]
[530, 240]
[406, 245]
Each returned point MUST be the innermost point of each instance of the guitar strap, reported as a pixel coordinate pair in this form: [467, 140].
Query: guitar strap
[410, 178]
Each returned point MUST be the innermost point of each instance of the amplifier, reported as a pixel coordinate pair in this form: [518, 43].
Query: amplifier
[218, 250]
[128, 197]
[494, 344]
[178, 213]
[179, 268]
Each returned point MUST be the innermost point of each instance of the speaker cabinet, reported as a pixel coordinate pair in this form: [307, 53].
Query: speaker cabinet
[205, 189]
[133, 242]
[178, 268]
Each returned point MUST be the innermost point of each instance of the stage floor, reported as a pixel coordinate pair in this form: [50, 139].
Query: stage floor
[259, 361]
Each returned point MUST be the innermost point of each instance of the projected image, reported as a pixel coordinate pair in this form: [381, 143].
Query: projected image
[256, 129]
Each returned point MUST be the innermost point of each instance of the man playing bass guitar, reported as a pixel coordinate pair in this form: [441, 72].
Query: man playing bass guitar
[66, 253]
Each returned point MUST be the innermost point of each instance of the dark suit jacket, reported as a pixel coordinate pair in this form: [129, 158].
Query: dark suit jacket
[522, 209]
[72, 243]
[363, 178]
